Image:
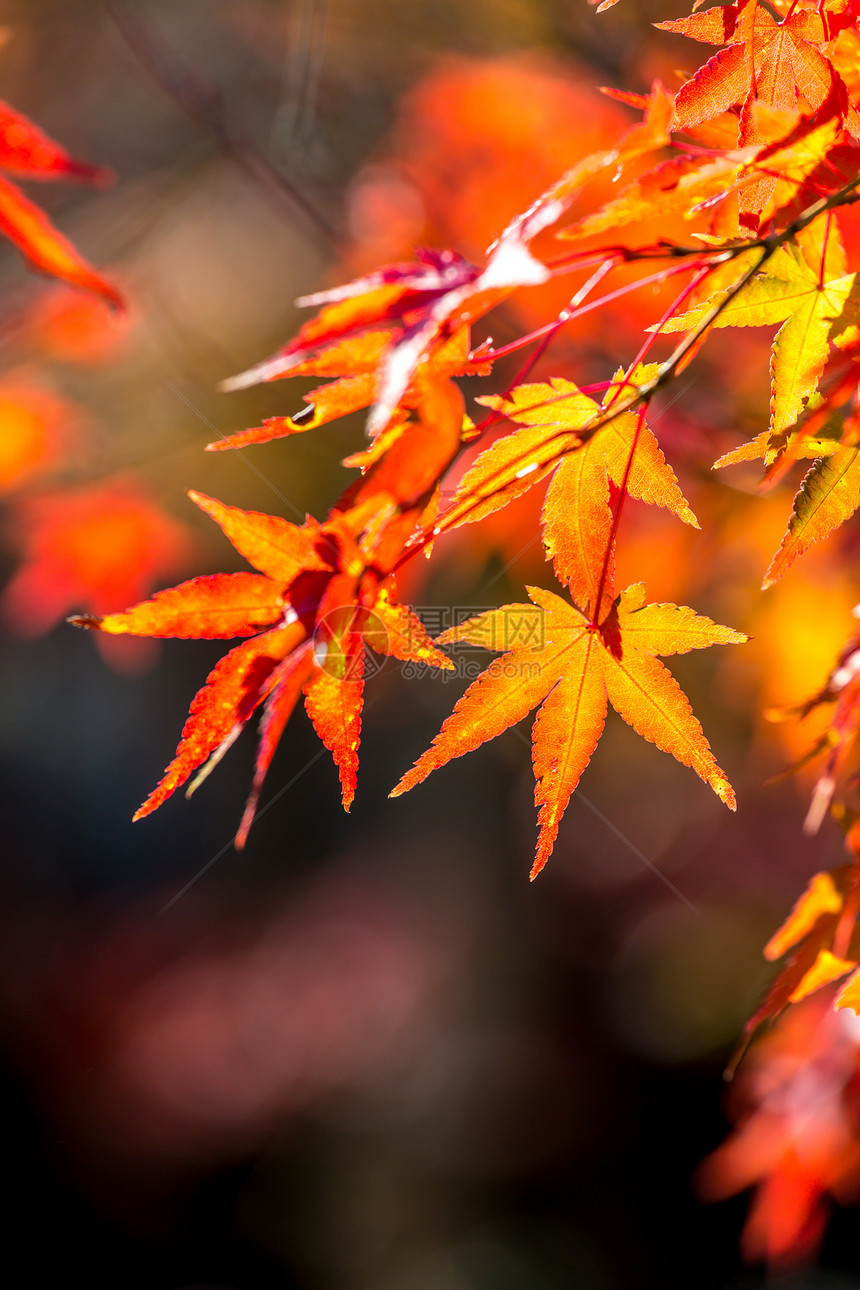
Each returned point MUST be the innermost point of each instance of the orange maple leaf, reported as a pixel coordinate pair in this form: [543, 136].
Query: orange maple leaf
[807, 940]
[355, 360]
[557, 659]
[810, 308]
[309, 614]
[556, 434]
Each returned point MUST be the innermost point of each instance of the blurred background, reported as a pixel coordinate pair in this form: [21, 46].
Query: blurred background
[364, 1053]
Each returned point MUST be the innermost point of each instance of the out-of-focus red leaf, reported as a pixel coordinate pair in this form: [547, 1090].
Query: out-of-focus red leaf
[45, 247]
[37, 430]
[90, 549]
[77, 327]
[795, 1140]
[28, 151]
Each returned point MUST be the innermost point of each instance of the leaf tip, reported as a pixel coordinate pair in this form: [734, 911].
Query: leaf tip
[207, 504]
[725, 793]
[157, 798]
[538, 865]
[240, 382]
[849, 995]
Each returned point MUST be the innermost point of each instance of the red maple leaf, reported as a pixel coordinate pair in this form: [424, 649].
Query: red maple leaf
[26, 151]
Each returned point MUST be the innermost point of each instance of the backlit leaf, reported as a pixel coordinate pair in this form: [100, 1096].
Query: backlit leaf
[828, 496]
[826, 969]
[570, 668]
[820, 897]
[233, 689]
[273, 545]
[219, 605]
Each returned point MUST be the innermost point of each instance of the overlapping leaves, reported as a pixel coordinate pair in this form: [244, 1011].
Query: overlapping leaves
[775, 129]
[308, 612]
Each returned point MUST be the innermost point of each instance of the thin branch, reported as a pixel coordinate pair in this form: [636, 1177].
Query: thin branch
[201, 101]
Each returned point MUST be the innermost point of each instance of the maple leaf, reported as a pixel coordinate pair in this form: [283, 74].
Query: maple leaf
[828, 496]
[777, 62]
[795, 1139]
[557, 660]
[234, 689]
[676, 186]
[824, 896]
[26, 151]
[807, 941]
[556, 433]
[830, 491]
[309, 614]
[274, 546]
[777, 65]
[797, 446]
[432, 299]
[809, 932]
[796, 169]
[355, 360]
[229, 605]
[842, 689]
[217, 606]
[767, 178]
[439, 293]
[285, 688]
[791, 292]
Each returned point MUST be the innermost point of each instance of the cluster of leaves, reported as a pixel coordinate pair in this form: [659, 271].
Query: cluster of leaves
[758, 155]
[764, 159]
[796, 1107]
